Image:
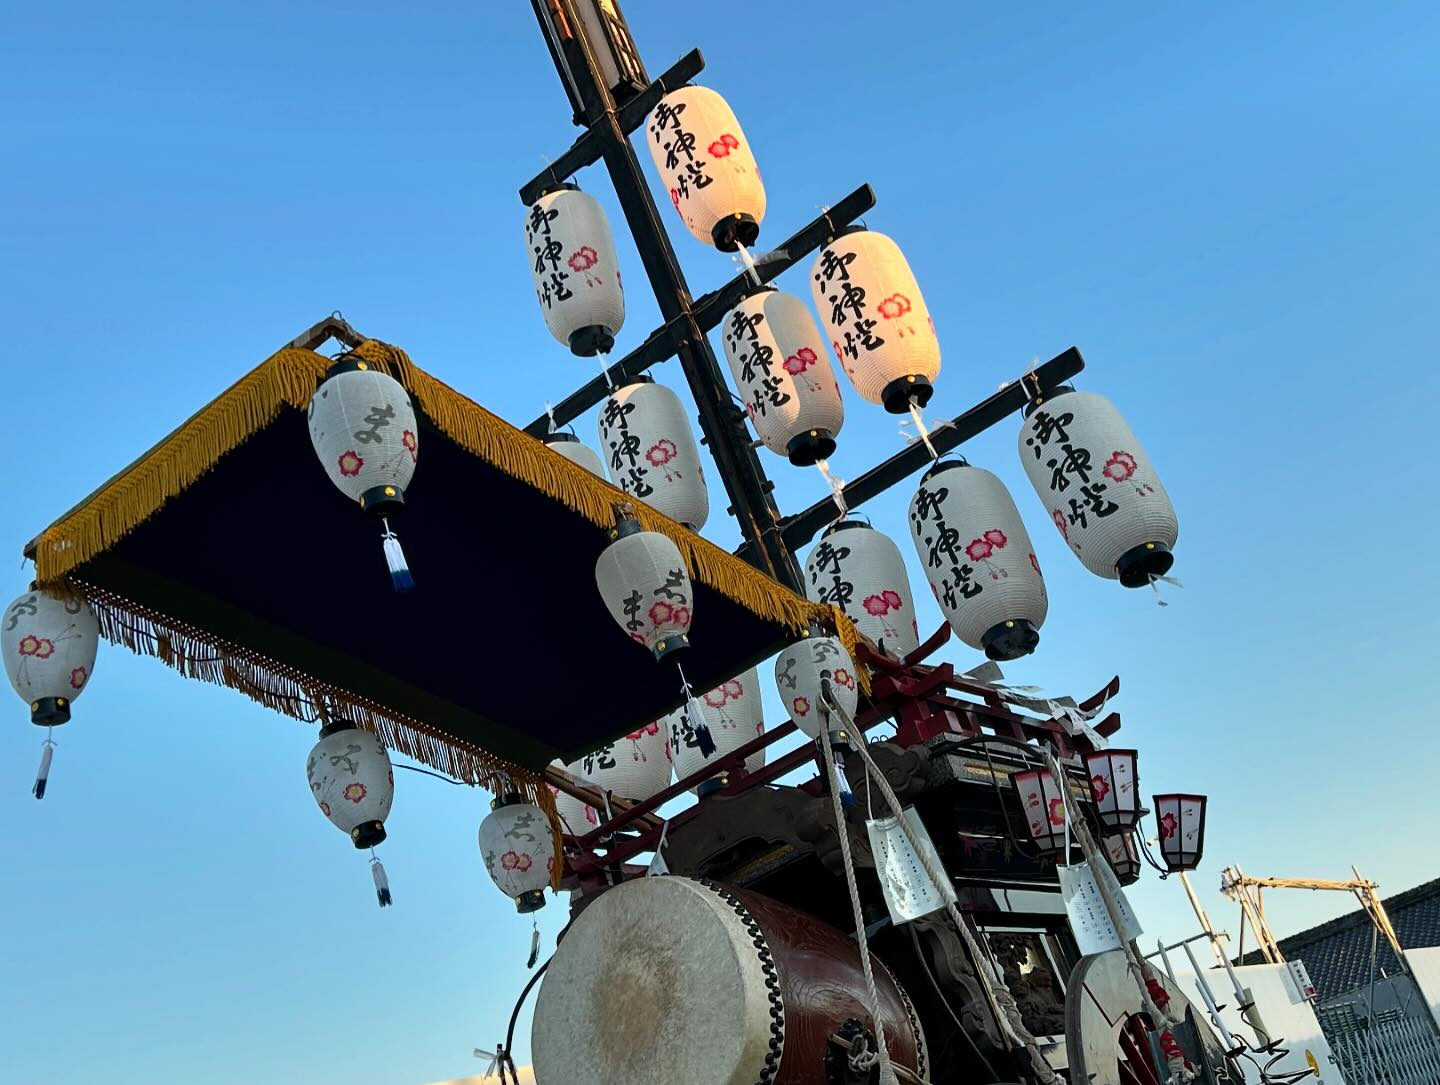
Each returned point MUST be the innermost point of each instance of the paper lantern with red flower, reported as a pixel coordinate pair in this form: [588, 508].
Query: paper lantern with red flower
[1044, 808]
[577, 279]
[353, 781]
[363, 428]
[782, 369]
[49, 644]
[1115, 787]
[1099, 487]
[646, 437]
[1123, 857]
[804, 670]
[576, 451]
[634, 766]
[860, 570]
[576, 817]
[735, 716]
[1182, 829]
[519, 850]
[979, 560]
[879, 325]
[707, 166]
[643, 580]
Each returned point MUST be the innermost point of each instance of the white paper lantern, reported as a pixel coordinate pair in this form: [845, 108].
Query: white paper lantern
[576, 451]
[1099, 487]
[49, 645]
[577, 817]
[979, 560]
[1044, 808]
[860, 570]
[353, 781]
[735, 716]
[1182, 829]
[1115, 786]
[519, 851]
[801, 671]
[646, 437]
[707, 166]
[634, 767]
[643, 580]
[577, 279]
[879, 325]
[778, 359]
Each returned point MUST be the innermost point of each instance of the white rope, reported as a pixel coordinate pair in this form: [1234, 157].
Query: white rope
[749, 262]
[550, 414]
[604, 360]
[921, 429]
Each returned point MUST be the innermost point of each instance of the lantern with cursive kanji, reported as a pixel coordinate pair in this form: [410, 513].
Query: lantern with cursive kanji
[643, 580]
[353, 782]
[1115, 786]
[782, 370]
[519, 851]
[577, 279]
[879, 325]
[1044, 807]
[707, 166]
[576, 451]
[979, 560]
[804, 671]
[735, 716]
[634, 766]
[1099, 487]
[860, 570]
[646, 437]
[1182, 829]
[363, 429]
[576, 818]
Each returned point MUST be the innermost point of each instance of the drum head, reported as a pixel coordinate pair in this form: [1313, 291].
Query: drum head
[660, 981]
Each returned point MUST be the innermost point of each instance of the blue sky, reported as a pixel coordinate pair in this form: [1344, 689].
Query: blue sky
[1231, 211]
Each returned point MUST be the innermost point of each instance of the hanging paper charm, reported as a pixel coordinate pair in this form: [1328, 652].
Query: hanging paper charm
[519, 851]
[860, 570]
[353, 781]
[1182, 829]
[782, 370]
[879, 325]
[364, 431]
[577, 279]
[643, 580]
[979, 560]
[735, 716]
[706, 164]
[1044, 807]
[1115, 787]
[576, 451]
[652, 453]
[1099, 487]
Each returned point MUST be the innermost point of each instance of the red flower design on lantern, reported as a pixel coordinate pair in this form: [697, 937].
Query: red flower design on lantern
[325, 808]
[637, 638]
[662, 452]
[44, 649]
[1059, 518]
[675, 198]
[896, 305]
[412, 446]
[716, 697]
[1057, 811]
[800, 706]
[800, 361]
[892, 599]
[29, 645]
[876, 605]
[1035, 565]
[1169, 826]
[649, 729]
[516, 860]
[844, 678]
[996, 538]
[733, 689]
[722, 147]
[583, 258]
[78, 677]
[1120, 466]
[681, 616]
[353, 792]
[661, 612]
[1100, 786]
[350, 464]
[979, 549]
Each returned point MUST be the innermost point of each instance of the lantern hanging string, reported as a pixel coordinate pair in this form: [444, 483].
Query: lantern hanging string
[749, 261]
[837, 489]
[604, 360]
[921, 429]
[550, 413]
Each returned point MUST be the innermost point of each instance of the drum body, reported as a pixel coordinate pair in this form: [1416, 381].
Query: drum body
[663, 981]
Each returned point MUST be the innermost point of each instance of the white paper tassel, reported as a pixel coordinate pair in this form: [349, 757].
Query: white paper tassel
[842, 785]
[534, 947]
[382, 883]
[47, 754]
[400, 578]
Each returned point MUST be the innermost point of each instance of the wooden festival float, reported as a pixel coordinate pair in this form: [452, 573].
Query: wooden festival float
[803, 933]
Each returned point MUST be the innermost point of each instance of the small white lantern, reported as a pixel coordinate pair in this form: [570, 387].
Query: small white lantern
[634, 767]
[577, 279]
[778, 359]
[646, 588]
[49, 645]
[1099, 487]
[1044, 808]
[979, 560]
[735, 715]
[576, 451]
[1115, 786]
[1123, 857]
[519, 851]
[647, 440]
[803, 670]
[577, 817]
[353, 781]
[879, 325]
[364, 432]
[1182, 830]
[860, 570]
[707, 166]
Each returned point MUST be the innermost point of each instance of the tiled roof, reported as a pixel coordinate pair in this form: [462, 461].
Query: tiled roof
[1337, 953]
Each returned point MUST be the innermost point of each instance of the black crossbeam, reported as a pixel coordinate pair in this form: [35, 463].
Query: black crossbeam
[710, 309]
[799, 529]
[587, 149]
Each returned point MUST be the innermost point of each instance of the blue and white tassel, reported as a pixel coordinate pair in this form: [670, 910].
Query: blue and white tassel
[400, 578]
[382, 883]
[47, 754]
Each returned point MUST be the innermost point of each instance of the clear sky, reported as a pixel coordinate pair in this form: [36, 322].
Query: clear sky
[1230, 209]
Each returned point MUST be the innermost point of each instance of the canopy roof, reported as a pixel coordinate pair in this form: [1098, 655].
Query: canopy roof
[226, 552]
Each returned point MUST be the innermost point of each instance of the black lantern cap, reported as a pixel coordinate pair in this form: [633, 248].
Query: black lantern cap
[735, 230]
[896, 395]
[1010, 639]
[50, 711]
[1141, 564]
[810, 447]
